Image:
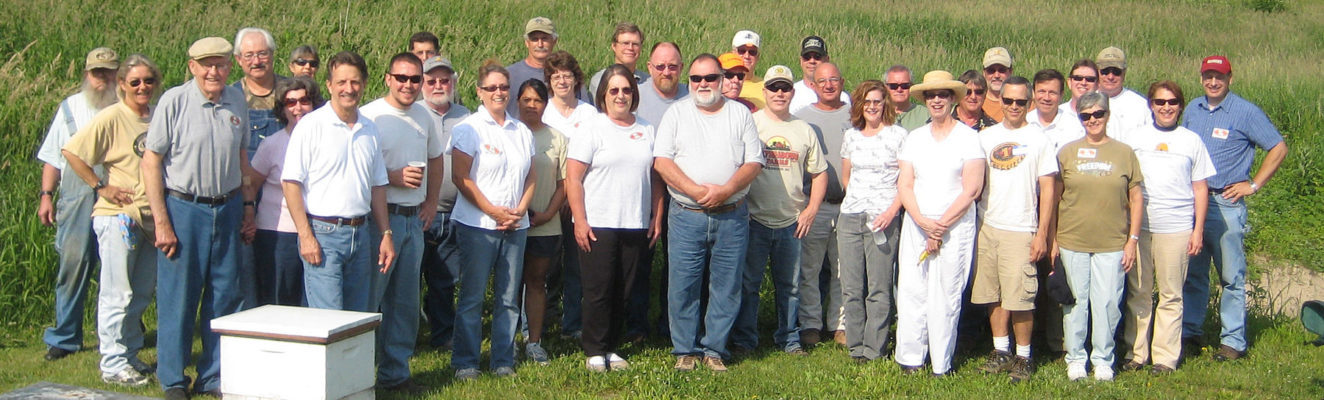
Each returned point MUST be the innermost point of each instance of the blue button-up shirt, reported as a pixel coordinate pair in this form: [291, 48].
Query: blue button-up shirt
[1230, 131]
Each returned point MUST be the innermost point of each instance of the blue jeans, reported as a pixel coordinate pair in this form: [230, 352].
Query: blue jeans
[343, 281]
[1096, 281]
[714, 243]
[1225, 231]
[441, 266]
[279, 268]
[205, 268]
[262, 123]
[395, 293]
[500, 254]
[784, 248]
[77, 251]
[128, 279]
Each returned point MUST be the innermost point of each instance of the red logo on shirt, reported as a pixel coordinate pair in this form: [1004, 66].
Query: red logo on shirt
[492, 149]
[636, 136]
[234, 120]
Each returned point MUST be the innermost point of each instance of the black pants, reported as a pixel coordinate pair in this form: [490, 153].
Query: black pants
[608, 275]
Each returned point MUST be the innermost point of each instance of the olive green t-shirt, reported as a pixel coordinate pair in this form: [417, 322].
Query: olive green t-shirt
[1096, 179]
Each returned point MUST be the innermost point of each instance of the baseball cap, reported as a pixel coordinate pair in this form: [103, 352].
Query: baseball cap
[102, 57]
[744, 38]
[209, 47]
[997, 55]
[813, 44]
[730, 60]
[435, 62]
[1216, 63]
[539, 24]
[778, 73]
[1111, 57]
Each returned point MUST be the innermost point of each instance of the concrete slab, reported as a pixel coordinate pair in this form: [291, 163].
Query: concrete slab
[55, 391]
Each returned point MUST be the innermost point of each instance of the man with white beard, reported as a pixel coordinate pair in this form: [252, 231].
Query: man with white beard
[73, 214]
[440, 256]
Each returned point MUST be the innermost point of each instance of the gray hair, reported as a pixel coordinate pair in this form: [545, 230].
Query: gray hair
[136, 60]
[899, 68]
[239, 37]
[1092, 99]
[305, 50]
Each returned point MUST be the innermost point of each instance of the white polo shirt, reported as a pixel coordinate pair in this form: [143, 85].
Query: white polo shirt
[404, 136]
[338, 165]
[502, 155]
[1128, 112]
[1065, 128]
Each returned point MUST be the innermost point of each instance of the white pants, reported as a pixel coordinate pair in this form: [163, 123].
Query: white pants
[928, 295]
[128, 281]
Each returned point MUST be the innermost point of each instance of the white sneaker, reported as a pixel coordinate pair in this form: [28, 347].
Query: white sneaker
[1103, 373]
[126, 377]
[1076, 372]
[596, 364]
[616, 362]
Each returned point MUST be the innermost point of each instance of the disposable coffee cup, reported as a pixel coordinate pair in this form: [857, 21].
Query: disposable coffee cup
[418, 164]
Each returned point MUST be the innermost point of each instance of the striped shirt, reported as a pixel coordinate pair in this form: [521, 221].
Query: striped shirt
[1230, 132]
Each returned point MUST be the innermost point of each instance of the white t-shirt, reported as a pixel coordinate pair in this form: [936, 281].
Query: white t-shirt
[338, 165]
[1127, 112]
[618, 182]
[404, 136]
[873, 169]
[1065, 128]
[502, 155]
[272, 212]
[568, 126]
[805, 96]
[708, 148]
[1016, 159]
[1170, 162]
[938, 165]
[73, 114]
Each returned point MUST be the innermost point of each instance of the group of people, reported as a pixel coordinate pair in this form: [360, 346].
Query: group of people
[889, 207]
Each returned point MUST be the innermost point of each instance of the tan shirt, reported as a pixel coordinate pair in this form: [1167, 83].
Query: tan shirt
[549, 148]
[790, 151]
[1092, 216]
[114, 139]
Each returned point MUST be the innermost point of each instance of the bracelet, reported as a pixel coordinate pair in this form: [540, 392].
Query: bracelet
[1134, 237]
[44, 193]
[1254, 188]
[250, 203]
[387, 232]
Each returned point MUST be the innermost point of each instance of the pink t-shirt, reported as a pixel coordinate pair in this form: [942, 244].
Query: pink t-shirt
[272, 214]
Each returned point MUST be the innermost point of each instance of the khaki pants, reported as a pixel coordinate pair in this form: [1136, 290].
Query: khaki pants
[1163, 260]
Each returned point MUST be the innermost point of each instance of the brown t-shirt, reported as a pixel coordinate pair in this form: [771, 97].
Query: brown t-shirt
[1092, 216]
[114, 139]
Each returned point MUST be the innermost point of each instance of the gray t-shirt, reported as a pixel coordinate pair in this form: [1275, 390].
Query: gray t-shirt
[199, 140]
[830, 127]
[520, 71]
[708, 148]
[455, 114]
[591, 87]
[652, 106]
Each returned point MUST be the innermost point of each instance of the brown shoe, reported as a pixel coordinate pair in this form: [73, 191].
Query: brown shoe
[809, 337]
[1227, 353]
[714, 363]
[1160, 369]
[686, 362]
[839, 336]
[998, 362]
[1130, 366]
[1020, 370]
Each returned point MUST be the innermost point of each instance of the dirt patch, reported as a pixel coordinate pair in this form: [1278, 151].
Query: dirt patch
[1282, 289]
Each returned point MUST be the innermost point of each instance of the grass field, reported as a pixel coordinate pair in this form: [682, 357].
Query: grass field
[1275, 54]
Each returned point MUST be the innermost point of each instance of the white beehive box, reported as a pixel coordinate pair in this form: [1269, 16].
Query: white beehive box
[281, 352]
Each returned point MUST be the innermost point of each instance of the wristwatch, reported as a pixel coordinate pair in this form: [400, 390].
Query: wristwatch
[97, 187]
[1254, 188]
[42, 193]
[387, 232]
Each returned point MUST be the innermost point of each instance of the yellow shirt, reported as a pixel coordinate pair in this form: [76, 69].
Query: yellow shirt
[549, 147]
[753, 91]
[114, 139]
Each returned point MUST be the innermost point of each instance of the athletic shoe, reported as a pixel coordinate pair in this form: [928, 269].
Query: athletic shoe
[1076, 372]
[616, 362]
[1103, 373]
[686, 362]
[1227, 353]
[596, 364]
[998, 362]
[467, 374]
[126, 377]
[536, 353]
[502, 372]
[56, 353]
[1020, 370]
[714, 363]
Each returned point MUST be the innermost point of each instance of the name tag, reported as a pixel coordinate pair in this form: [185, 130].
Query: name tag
[1020, 150]
[1220, 133]
[1087, 153]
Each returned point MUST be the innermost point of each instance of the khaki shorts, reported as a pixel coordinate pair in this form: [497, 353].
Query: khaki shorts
[1003, 271]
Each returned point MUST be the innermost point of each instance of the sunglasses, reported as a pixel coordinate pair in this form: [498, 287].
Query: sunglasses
[740, 76]
[438, 81]
[996, 69]
[620, 90]
[302, 62]
[666, 67]
[974, 92]
[1018, 102]
[299, 101]
[941, 95]
[402, 78]
[1090, 79]
[1166, 102]
[811, 56]
[753, 51]
[1095, 115]
[139, 82]
[900, 86]
[779, 87]
[494, 88]
[705, 78]
[1111, 71]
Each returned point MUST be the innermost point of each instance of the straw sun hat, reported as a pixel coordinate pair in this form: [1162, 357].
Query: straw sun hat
[938, 80]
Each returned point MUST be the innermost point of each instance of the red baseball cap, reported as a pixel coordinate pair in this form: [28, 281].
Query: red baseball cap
[1216, 63]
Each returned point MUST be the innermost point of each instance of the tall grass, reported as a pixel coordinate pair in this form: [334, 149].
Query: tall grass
[1275, 55]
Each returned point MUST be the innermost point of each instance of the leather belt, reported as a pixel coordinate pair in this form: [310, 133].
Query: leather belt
[725, 208]
[211, 201]
[356, 221]
[407, 211]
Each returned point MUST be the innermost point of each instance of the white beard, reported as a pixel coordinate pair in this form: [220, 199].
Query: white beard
[711, 99]
[99, 99]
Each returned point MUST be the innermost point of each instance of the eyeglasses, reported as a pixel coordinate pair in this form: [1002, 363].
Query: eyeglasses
[1111, 71]
[144, 81]
[1166, 102]
[494, 88]
[996, 69]
[974, 92]
[779, 87]
[811, 56]
[665, 67]
[1090, 79]
[871, 102]
[1019, 102]
[750, 50]
[402, 78]
[899, 86]
[1097, 114]
[940, 94]
[437, 81]
[264, 54]
[302, 62]
[705, 78]
[566, 76]
[739, 76]
[298, 101]
[620, 90]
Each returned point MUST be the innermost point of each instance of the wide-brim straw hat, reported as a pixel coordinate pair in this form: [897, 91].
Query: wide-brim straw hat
[938, 80]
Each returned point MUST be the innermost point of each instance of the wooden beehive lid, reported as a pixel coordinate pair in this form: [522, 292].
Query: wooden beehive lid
[296, 324]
